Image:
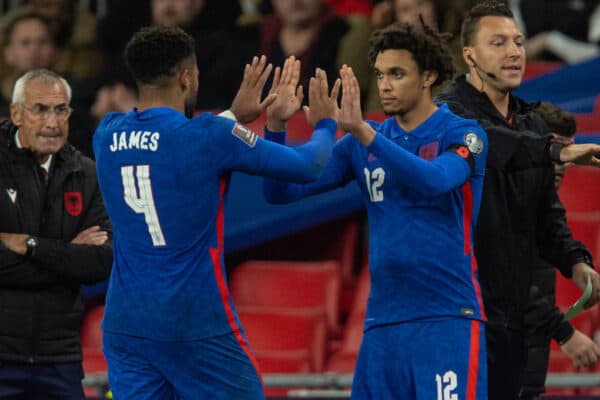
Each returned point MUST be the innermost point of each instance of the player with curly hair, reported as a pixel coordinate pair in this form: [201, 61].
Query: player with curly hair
[421, 176]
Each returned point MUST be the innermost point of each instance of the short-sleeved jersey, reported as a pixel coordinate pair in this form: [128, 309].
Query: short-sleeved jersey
[422, 190]
[163, 178]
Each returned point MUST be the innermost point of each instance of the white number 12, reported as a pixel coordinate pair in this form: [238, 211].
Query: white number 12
[142, 203]
[445, 386]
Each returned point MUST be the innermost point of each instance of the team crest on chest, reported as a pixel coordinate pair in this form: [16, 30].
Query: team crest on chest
[429, 151]
[73, 203]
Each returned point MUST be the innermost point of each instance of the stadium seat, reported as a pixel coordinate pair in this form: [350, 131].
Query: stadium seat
[560, 363]
[292, 285]
[566, 291]
[586, 228]
[537, 68]
[579, 190]
[286, 340]
[298, 128]
[91, 341]
[344, 360]
[344, 251]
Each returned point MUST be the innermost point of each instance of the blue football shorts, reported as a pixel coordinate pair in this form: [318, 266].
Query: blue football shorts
[213, 368]
[443, 359]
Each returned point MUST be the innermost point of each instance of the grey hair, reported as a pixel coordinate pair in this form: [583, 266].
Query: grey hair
[44, 76]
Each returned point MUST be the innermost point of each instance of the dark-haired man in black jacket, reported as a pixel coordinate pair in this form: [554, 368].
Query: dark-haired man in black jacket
[54, 236]
[519, 213]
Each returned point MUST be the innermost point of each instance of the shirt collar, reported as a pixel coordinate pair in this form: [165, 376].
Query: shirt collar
[45, 165]
[422, 130]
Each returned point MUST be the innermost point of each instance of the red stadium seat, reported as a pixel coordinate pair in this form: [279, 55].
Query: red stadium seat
[538, 68]
[289, 284]
[91, 341]
[298, 128]
[344, 251]
[344, 360]
[586, 228]
[560, 363]
[287, 341]
[579, 189]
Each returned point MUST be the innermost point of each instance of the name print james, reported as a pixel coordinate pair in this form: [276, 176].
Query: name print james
[139, 140]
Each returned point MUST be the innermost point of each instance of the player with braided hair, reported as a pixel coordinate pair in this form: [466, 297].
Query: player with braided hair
[421, 174]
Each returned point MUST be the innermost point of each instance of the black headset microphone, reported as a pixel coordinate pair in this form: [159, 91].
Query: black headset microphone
[489, 74]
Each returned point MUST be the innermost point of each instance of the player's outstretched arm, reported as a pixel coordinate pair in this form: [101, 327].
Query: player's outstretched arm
[246, 105]
[426, 178]
[289, 95]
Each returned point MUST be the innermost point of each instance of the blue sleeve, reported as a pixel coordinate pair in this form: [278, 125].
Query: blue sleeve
[243, 150]
[432, 178]
[338, 172]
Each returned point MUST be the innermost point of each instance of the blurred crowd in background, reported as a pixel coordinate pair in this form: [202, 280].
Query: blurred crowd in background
[83, 40]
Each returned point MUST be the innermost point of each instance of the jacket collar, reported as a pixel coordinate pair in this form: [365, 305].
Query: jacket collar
[473, 97]
[68, 157]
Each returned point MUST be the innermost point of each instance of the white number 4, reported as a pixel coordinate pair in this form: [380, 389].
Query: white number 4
[445, 386]
[142, 203]
[374, 179]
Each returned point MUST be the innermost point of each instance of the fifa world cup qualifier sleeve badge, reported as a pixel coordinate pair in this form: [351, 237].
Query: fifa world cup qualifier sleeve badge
[244, 134]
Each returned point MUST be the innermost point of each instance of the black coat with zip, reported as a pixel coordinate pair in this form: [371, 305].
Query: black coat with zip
[41, 301]
[521, 218]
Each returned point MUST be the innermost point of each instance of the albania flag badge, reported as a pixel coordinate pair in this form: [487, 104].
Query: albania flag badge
[73, 203]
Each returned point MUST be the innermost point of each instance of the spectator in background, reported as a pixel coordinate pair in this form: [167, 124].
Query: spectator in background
[224, 49]
[542, 318]
[28, 44]
[74, 31]
[54, 237]
[563, 30]
[311, 31]
[446, 18]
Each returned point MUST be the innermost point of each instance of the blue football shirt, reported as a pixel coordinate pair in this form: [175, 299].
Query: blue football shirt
[422, 190]
[163, 178]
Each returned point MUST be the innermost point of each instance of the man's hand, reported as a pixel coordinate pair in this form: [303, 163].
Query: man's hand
[92, 235]
[579, 277]
[350, 114]
[581, 350]
[581, 154]
[289, 95]
[15, 242]
[246, 105]
[321, 103]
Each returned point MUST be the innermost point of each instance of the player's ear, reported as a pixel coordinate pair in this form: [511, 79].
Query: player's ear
[16, 114]
[429, 78]
[185, 79]
[467, 56]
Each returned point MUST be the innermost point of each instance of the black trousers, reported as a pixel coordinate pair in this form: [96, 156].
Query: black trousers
[59, 381]
[507, 355]
[534, 377]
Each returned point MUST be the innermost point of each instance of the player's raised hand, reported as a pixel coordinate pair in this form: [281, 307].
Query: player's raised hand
[351, 114]
[246, 105]
[321, 103]
[289, 94]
